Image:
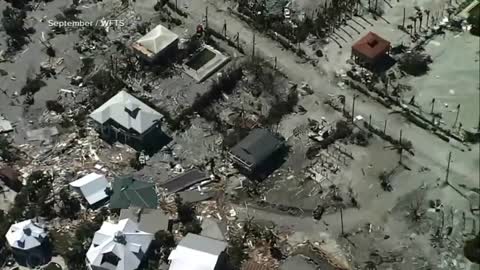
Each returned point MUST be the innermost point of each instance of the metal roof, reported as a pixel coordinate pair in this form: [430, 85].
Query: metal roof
[130, 192]
[127, 111]
[26, 235]
[195, 252]
[251, 265]
[92, 186]
[371, 46]
[297, 262]
[158, 39]
[257, 147]
[149, 220]
[184, 180]
[122, 240]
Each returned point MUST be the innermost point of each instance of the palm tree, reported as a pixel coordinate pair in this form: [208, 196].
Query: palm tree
[414, 20]
[420, 17]
[427, 12]
[411, 29]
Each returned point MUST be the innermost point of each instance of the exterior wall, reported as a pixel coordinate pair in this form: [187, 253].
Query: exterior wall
[33, 257]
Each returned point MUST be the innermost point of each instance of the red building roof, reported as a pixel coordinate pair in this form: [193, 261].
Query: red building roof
[371, 46]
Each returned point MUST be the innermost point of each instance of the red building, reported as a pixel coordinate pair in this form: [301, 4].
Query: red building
[370, 49]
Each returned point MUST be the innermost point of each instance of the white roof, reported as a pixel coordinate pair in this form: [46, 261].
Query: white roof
[122, 240]
[92, 187]
[158, 39]
[25, 235]
[127, 111]
[196, 252]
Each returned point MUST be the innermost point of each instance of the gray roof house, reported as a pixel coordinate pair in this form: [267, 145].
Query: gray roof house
[149, 220]
[120, 246]
[255, 149]
[125, 118]
[195, 252]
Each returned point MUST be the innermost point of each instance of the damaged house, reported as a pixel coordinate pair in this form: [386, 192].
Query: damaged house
[258, 152]
[126, 119]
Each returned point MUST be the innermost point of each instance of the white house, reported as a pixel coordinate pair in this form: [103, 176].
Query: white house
[118, 246]
[156, 43]
[92, 187]
[126, 119]
[195, 252]
[29, 243]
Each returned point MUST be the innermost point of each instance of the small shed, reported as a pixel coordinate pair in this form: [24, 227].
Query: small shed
[92, 186]
[370, 49]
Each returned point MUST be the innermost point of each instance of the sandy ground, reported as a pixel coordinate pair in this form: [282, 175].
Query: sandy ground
[452, 80]
[376, 205]
[374, 209]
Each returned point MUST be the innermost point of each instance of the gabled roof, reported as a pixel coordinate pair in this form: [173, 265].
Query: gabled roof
[195, 252]
[26, 235]
[127, 111]
[157, 39]
[257, 146]
[371, 45]
[184, 180]
[92, 186]
[122, 241]
[297, 262]
[251, 265]
[130, 192]
[149, 220]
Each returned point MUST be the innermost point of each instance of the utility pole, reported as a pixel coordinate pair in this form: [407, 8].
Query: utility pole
[431, 111]
[353, 107]
[448, 167]
[253, 46]
[401, 148]
[341, 219]
[403, 22]
[456, 117]
[225, 28]
[385, 127]
[206, 17]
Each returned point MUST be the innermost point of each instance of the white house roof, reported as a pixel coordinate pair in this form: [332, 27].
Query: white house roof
[158, 39]
[122, 241]
[92, 186]
[128, 111]
[196, 252]
[26, 235]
